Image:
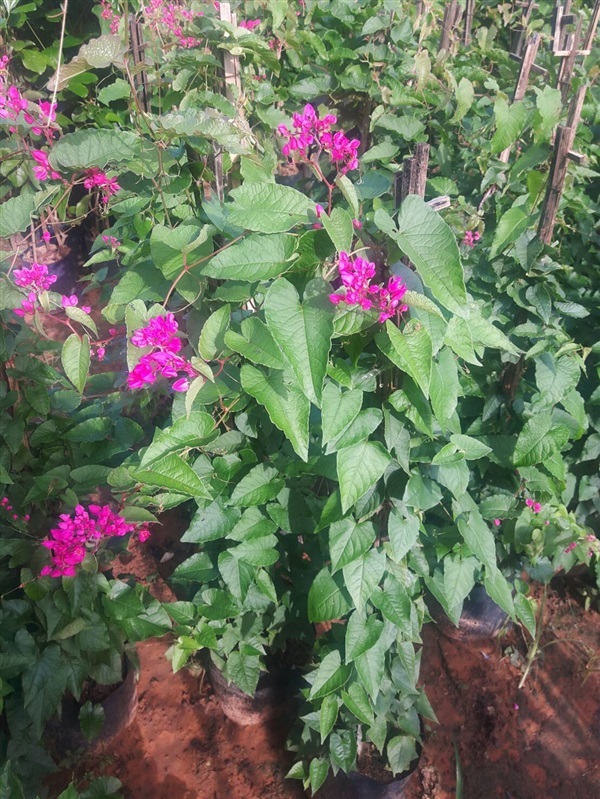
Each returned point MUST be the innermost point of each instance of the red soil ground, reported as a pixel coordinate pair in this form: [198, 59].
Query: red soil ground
[540, 742]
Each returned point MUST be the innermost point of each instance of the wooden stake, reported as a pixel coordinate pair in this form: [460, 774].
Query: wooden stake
[556, 182]
[531, 50]
[591, 31]
[518, 39]
[231, 63]
[450, 15]
[140, 76]
[567, 66]
[412, 178]
[469, 11]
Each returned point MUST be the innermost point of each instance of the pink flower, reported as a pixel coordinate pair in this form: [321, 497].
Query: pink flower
[249, 24]
[144, 534]
[319, 210]
[69, 302]
[100, 353]
[111, 242]
[78, 534]
[356, 224]
[43, 170]
[536, 507]
[497, 522]
[36, 276]
[570, 547]
[356, 276]
[181, 385]
[97, 179]
[160, 333]
[28, 306]
[46, 236]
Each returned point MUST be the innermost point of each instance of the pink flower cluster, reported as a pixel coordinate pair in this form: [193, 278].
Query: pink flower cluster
[310, 130]
[43, 170]
[97, 179]
[250, 24]
[161, 334]
[536, 507]
[471, 238]
[109, 14]
[8, 508]
[36, 277]
[356, 276]
[81, 533]
[171, 18]
[591, 539]
[111, 242]
[12, 103]
[72, 301]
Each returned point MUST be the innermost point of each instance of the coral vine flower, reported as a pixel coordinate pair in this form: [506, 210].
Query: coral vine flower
[356, 276]
[81, 533]
[43, 170]
[97, 179]
[310, 129]
[160, 333]
[35, 276]
[249, 24]
[535, 506]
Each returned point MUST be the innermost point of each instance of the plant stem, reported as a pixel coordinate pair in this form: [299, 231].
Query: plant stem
[535, 646]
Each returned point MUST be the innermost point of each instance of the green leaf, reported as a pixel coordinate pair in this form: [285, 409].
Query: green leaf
[173, 473]
[525, 608]
[81, 317]
[499, 590]
[482, 331]
[473, 448]
[303, 331]
[330, 676]
[346, 186]
[363, 575]
[326, 601]
[211, 524]
[357, 702]
[555, 377]
[118, 90]
[327, 716]
[465, 94]
[403, 531]
[395, 604]
[405, 126]
[268, 207]
[430, 244]
[100, 147]
[384, 151]
[361, 634]
[477, 535]
[103, 788]
[509, 123]
[91, 719]
[197, 569]
[236, 573]
[317, 773]
[244, 671]
[549, 105]
[349, 541]
[10, 785]
[254, 258]
[459, 579]
[75, 358]
[44, 684]
[512, 223]
[338, 410]
[538, 440]
[340, 230]
[401, 751]
[212, 337]
[371, 669]
[358, 469]
[360, 429]
[444, 386]
[415, 299]
[411, 350]
[260, 485]
[256, 344]
[185, 433]
[285, 402]
[169, 247]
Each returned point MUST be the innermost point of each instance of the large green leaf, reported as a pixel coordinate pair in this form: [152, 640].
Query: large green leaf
[348, 541]
[260, 485]
[357, 702]
[444, 386]
[326, 602]
[371, 669]
[75, 357]
[327, 715]
[330, 676]
[255, 258]
[555, 377]
[431, 245]
[174, 474]
[244, 670]
[256, 344]
[100, 147]
[303, 330]
[338, 410]
[360, 429]
[361, 634]
[340, 230]
[236, 573]
[459, 579]
[510, 227]
[268, 207]
[477, 535]
[171, 248]
[185, 433]
[403, 531]
[358, 468]
[540, 438]
[410, 349]
[395, 604]
[43, 686]
[509, 123]
[363, 575]
[17, 212]
[286, 404]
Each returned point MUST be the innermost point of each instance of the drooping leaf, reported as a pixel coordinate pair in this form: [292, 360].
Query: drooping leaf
[338, 410]
[358, 468]
[268, 207]
[255, 258]
[348, 541]
[363, 575]
[75, 358]
[339, 227]
[303, 331]
[173, 473]
[260, 485]
[330, 677]
[256, 344]
[326, 602]
[184, 433]
[411, 350]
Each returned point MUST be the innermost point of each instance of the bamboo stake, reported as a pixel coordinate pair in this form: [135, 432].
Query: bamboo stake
[568, 64]
[450, 14]
[519, 35]
[527, 64]
[556, 182]
[231, 63]
[591, 31]
[413, 178]
[469, 11]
